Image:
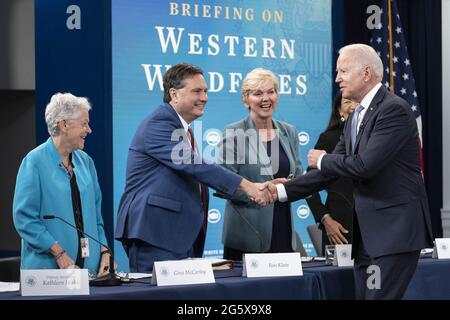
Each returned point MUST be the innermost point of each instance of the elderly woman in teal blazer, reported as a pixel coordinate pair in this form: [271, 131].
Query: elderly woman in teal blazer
[58, 178]
[259, 148]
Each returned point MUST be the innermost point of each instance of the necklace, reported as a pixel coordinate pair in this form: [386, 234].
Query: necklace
[68, 168]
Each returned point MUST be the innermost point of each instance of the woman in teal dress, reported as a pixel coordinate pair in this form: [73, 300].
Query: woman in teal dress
[58, 178]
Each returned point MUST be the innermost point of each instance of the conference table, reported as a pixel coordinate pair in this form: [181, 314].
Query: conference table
[229, 285]
[431, 281]
[319, 282]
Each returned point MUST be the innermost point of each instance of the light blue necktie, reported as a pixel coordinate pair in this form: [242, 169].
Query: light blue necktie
[354, 128]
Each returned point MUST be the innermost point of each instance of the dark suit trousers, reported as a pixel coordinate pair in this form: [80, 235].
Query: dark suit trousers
[142, 255]
[392, 280]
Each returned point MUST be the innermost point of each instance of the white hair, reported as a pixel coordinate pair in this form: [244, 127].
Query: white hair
[365, 55]
[63, 106]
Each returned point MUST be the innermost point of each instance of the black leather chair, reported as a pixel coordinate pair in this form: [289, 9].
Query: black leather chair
[10, 269]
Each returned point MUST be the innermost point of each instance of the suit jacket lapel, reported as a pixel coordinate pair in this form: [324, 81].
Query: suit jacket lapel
[370, 112]
[257, 148]
[177, 120]
[284, 143]
[348, 134]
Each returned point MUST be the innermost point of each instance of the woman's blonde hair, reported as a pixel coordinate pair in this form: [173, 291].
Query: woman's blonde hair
[255, 78]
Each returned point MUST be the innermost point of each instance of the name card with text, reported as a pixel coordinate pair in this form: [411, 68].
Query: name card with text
[54, 282]
[343, 255]
[441, 248]
[272, 264]
[168, 273]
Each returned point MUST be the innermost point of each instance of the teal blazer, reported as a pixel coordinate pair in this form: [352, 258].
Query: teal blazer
[248, 227]
[43, 188]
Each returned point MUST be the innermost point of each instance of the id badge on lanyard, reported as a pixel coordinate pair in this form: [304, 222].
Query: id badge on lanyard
[84, 244]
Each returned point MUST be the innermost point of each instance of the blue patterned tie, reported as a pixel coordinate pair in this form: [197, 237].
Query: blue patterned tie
[354, 128]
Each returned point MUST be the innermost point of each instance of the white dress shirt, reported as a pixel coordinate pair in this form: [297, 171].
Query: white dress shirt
[183, 122]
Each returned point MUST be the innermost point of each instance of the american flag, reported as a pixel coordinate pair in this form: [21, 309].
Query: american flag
[391, 47]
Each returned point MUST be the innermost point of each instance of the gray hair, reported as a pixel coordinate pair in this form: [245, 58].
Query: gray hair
[366, 56]
[63, 106]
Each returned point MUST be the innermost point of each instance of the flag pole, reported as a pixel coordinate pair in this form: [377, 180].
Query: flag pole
[391, 63]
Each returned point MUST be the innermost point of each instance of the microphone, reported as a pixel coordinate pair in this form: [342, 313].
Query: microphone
[110, 279]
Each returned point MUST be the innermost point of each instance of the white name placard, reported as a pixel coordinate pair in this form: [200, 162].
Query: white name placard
[441, 248]
[169, 273]
[343, 255]
[54, 282]
[272, 264]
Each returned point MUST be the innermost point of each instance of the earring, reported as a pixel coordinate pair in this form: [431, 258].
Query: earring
[342, 118]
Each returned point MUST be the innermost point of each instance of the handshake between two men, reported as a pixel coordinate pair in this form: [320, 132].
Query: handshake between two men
[266, 193]
[262, 193]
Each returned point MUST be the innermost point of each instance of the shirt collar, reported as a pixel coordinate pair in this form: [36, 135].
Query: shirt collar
[54, 154]
[56, 158]
[367, 100]
[183, 122]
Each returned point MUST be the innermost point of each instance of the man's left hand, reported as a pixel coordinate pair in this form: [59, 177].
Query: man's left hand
[313, 157]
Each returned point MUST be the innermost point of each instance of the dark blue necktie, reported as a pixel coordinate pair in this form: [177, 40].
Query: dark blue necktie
[354, 128]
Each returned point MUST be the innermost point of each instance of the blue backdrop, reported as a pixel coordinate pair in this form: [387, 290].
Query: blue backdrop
[226, 39]
[115, 51]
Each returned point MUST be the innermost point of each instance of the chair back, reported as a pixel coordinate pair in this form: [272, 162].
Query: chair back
[316, 237]
[10, 269]
[300, 247]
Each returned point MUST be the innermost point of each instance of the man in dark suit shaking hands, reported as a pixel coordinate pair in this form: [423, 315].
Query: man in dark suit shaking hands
[379, 150]
[163, 211]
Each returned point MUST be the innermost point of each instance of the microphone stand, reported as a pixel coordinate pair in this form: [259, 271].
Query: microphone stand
[110, 279]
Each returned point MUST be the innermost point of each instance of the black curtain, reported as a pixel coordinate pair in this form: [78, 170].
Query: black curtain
[421, 20]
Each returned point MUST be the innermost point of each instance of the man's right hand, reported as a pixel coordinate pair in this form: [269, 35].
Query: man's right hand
[270, 186]
[257, 192]
[335, 231]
